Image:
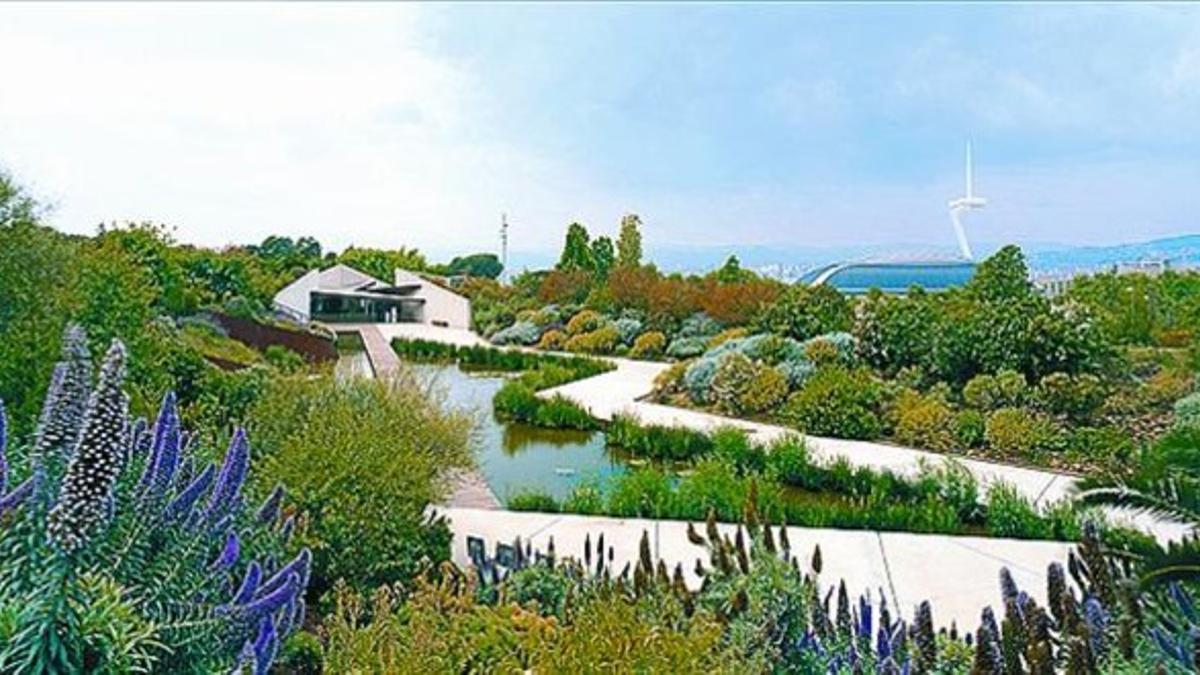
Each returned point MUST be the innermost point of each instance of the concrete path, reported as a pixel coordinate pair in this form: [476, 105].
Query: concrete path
[958, 575]
[622, 391]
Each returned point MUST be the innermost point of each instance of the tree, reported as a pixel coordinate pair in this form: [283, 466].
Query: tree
[383, 263]
[629, 242]
[602, 256]
[485, 265]
[732, 272]
[577, 251]
[803, 312]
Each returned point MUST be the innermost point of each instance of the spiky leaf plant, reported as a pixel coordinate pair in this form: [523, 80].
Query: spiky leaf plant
[121, 556]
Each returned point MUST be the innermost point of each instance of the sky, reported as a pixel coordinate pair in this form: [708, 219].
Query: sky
[791, 125]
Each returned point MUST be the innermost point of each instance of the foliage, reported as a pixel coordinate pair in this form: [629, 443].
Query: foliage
[740, 386]
[924, 422]
[382, 263]
[520, 333]
[648, 345]
[362, 459]
[552, 340]
[1187, 411]
[124, 550]
[686, 347]
[970, 428]
[627, 329]
[1077, 397]
[1016, 431]
[726, 335]
[529, 500]
[585, 321]
[655, 441]
[629, 241]
[518, 402]
[577, 252]
[538, 371]
[485, 265]
[603, 340]
[836, 401]
[802, 312]
[1005, 389]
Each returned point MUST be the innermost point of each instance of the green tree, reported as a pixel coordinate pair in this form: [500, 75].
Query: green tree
[629, 241]
[602, 256]
[382, 263]
[577, 250]
[803, 312]
[732, 272]
[485, 265]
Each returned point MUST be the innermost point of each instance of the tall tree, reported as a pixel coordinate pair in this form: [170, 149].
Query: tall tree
[629, 242]
[577, 251]
[602, 256]
[485, 265]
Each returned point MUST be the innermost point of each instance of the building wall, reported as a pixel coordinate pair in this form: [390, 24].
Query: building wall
[442, 306]
[293, 299]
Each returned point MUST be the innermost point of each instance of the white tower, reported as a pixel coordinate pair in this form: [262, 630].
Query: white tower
[503, 246]
[962, 205]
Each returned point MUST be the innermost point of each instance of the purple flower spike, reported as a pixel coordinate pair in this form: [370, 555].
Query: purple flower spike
[229, 481]
[265, 646]
[269, 511]
[288, 526]
[272, 601]
[165, 449]
[18, 496]
[181, 506]
[229, 553]
[299, 566]
[3, 445]
[245, 592]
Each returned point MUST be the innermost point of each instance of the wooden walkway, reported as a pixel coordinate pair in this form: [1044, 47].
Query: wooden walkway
[469, 488]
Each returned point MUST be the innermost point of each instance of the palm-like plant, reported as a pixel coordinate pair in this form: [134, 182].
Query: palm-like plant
[1168, 488]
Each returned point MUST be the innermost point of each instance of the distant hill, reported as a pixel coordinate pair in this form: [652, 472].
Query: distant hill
[789, 262]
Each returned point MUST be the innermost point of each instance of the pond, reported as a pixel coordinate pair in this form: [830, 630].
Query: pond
[513, 458]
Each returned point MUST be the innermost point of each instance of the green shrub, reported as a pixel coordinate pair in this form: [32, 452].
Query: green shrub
[838, 402]
[559, 412]
[698, 379]
[284, 359]
[1077, 397]
[350, 452]
[670, 381]
[970, 428]
[821, 352]
[1016, 431]
[726, 335]
[643, 493]
[733, 378]
[765, 392]
[1005, 389]
[648, 345]
[586, 321]
[533, 500]
[1011, 515]
[656, 441]
[627, 329]
[516, 402]
[803, 312]
[586, 499]
[1100, 444]
[686, 347]
[301, 654]
[789, 462]
[553, 340]
[924, 421]
[520, 333]
[733, 446]
[1187, 411]
[603, 340]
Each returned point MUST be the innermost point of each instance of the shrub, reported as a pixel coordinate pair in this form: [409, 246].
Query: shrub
[641, 493]
[1017, 431]
[796, 372]
[670, 380]
[284, 359]
[518, 402]
[627, 329]
[558, 412]
[836, 401]
[586, 499]
[686, 347]
[711, 486]
[520, 333]
[970, 428]
[1011, 515]
[765, 392]
[698, 379]
[600, 341]
[725, 336]
[698, 325]
[648, 345]
[1005, 389]
[1075, 396]
[656, 441]
[1100, 444]
[733, 446]
[585, 321]
[351, 451]
[924, 421]
[820, 352]
[733, 378]
[803, 312]
[533, 500]
[789, 461]
[1187, 411]
[553, 340]
[122, 549]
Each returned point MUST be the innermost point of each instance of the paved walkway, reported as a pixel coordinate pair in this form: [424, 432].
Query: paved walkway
[958, 575]
[622, 391]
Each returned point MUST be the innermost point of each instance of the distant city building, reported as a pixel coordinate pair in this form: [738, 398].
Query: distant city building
[342, 294]
[1054, 284]
[856, 278]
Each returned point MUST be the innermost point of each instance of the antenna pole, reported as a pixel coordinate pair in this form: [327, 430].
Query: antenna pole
[503, 245]
[970, 183]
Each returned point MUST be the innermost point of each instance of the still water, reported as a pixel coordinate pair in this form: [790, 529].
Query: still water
[513, 458]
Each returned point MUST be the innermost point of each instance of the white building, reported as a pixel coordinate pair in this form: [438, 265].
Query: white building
[342, 294]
